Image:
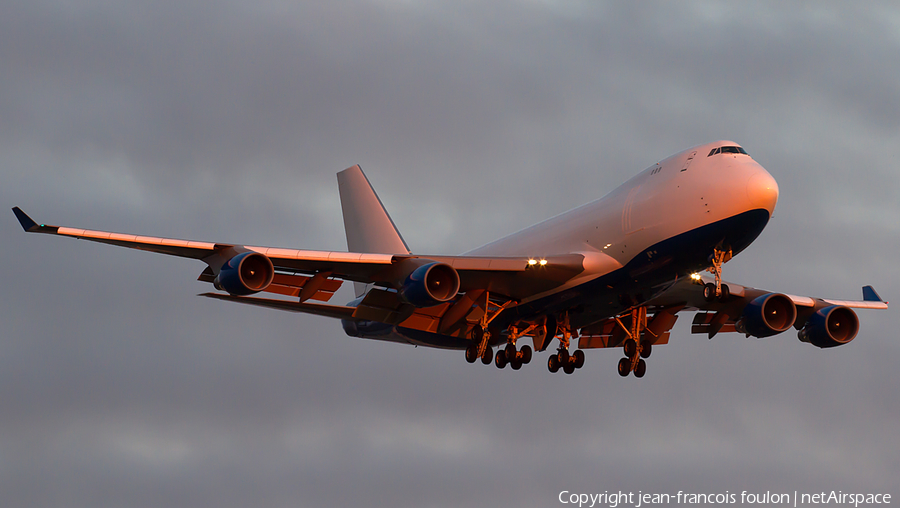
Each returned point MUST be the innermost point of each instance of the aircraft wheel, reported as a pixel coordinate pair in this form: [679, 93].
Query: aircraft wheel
[569, 367]
[515, 364]
[471, 353]
[646, 349]
[709, 291]
[630, 347]
[553, 363]
[488, 356]
[624, 367]
[579, 358]
[726, 293]
[641, 369]
[563, 357]
[500, 359]
[526, 354]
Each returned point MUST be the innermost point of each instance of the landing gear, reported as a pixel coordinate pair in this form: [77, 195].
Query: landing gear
[514, 358]
[711, 291]
[562, 359]
[479, 347]
[635, 350]
[480, 336]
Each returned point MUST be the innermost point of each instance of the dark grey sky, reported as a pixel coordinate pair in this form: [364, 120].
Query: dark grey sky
[226, 121]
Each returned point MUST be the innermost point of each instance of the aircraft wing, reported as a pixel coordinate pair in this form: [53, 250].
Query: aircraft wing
[512, 277]
[689, 294]
[745, 304]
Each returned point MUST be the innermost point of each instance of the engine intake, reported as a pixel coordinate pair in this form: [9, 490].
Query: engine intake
[767, 315]
[245, 274]
[430, 284]
[830, 327]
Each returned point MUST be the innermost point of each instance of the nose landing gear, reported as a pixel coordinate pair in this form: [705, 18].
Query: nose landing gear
[718, 290]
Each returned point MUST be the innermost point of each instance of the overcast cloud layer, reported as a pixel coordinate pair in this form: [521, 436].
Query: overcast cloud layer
[226, 121]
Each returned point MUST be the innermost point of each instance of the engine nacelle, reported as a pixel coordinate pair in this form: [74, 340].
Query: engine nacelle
[245, 274]
[830, 327]
[767, 315]
[430, 285]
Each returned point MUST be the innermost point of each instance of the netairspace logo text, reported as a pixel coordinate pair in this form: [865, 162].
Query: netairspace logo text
[642, 499]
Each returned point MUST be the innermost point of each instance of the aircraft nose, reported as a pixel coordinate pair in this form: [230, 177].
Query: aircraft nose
[763, 191]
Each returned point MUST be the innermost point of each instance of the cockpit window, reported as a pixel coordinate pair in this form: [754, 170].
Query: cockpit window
[727, 149]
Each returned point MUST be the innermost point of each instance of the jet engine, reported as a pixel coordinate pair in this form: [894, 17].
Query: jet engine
[830, 327]
[767, 315]
[430, 285]
[245, 274]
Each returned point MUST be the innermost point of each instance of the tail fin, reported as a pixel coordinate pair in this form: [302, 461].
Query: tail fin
[367, 224]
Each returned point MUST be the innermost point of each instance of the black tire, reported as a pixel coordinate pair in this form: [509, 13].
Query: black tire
[640, 369]
[646, 349]
[500, 359]
[515, 364]
[526, 354]
[471, 353]
[579, 358]
[569, 368]
[563, 357]
[553, 363]
[510, 351]
[624, 367]
[726, 293]
[709, 291]
[630, 347]
[488, 356]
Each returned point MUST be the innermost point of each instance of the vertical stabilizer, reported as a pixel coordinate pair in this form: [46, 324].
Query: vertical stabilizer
[368, 226]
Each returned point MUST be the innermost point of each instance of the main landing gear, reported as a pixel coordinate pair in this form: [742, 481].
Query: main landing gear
[480, 336]
[562, 359]
[635, 350]
[711, 291]
[514, 358]
[479, 347]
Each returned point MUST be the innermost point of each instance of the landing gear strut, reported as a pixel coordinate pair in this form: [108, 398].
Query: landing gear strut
[635, 350]
[480, 336]
[718, 290]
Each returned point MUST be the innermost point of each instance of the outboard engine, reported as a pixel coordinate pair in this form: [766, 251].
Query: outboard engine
[245, 274]
[830, 327]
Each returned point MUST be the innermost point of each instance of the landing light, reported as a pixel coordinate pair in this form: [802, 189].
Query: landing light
[532, 262]
[543, 262]
[695, 276]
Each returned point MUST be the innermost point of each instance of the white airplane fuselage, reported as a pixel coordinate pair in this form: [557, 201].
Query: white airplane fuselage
[662, 224]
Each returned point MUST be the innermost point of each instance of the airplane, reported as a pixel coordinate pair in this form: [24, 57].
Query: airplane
[613, 273]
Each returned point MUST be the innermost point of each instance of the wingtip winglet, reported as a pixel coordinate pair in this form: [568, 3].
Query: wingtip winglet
[27, 222]
[869, 294]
